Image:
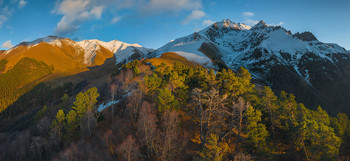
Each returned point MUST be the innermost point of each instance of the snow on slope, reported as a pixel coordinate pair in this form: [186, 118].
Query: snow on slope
[201, 59]
[188, 48]
[53, 40]
[121, 50]
[90, 48]
[259, 46]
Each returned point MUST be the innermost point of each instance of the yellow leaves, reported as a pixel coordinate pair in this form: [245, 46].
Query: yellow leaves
[60, 116]
[214, 149]
[197, 138]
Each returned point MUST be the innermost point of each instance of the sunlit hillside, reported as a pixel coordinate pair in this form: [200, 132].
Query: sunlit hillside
[169, 58]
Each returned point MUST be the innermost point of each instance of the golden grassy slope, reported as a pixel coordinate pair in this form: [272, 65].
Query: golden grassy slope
[64, 59]
[170, 58]
[67, 59]
[102, 55]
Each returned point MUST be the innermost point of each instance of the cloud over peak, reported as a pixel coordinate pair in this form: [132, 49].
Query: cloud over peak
[195, 15]
[5, 13]
[250, 22]
[22, 3]
[75, 12]
[7, 44]
[248, 14]
[208, 22]
[115, 20]
[171, 5]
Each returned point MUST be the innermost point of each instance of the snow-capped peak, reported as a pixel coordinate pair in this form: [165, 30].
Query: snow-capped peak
[231, 25]
[121, 50]
[238, 44]
[113, 46]
[243, 26]
[260, 25]
[53, 40]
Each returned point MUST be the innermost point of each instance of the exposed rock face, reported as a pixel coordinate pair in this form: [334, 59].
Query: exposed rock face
[305, 36]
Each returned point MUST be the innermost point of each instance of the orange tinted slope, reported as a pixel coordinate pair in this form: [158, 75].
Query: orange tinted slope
[169, 58]
[102, 55]
[64, 59]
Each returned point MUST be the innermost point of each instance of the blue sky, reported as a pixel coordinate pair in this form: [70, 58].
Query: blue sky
[152, 23]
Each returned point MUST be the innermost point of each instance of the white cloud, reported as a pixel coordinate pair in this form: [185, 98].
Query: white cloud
[22, 3]
[116, 19]
[171, 5]
[7, 44]
[5, 13]
[195, 15]
[208, 22]
[74, 13]
[250, 22]
[279, 24]
[248, 14]
[3, 19]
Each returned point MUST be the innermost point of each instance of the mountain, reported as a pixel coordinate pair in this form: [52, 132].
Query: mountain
[57, 61]
[316, 72]
[94, 49]
[69, 57]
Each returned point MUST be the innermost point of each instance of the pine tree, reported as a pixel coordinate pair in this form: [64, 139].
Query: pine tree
[86, 101]
[229, 83]
[72, 124]
[256, 131]
[59, 123]
[176, 81]
[65, 101]
[91, 96]
[321, 116]
[40, 114]
[152, 83]
[214, 150]
[167, 101]
[80, 105]
[324, 144]
[269, 107]
[245, 81]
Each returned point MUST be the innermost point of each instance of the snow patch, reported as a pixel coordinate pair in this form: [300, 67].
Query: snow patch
[195, 58]
[102, 106]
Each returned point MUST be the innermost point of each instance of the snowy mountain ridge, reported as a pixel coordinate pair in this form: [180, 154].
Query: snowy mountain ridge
[121, 50]
[242, 45]
[90, 48]
[316, 72]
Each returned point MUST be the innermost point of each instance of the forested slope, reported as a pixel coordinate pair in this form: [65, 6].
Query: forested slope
[179, 112]
[21, 78]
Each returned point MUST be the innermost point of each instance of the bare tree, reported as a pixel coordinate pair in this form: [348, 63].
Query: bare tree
[237, 114]
[134, 104]
[207, 112]
[147, 127]
[128, 150]
[169, 145]
[113, 92]
[88, 124]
